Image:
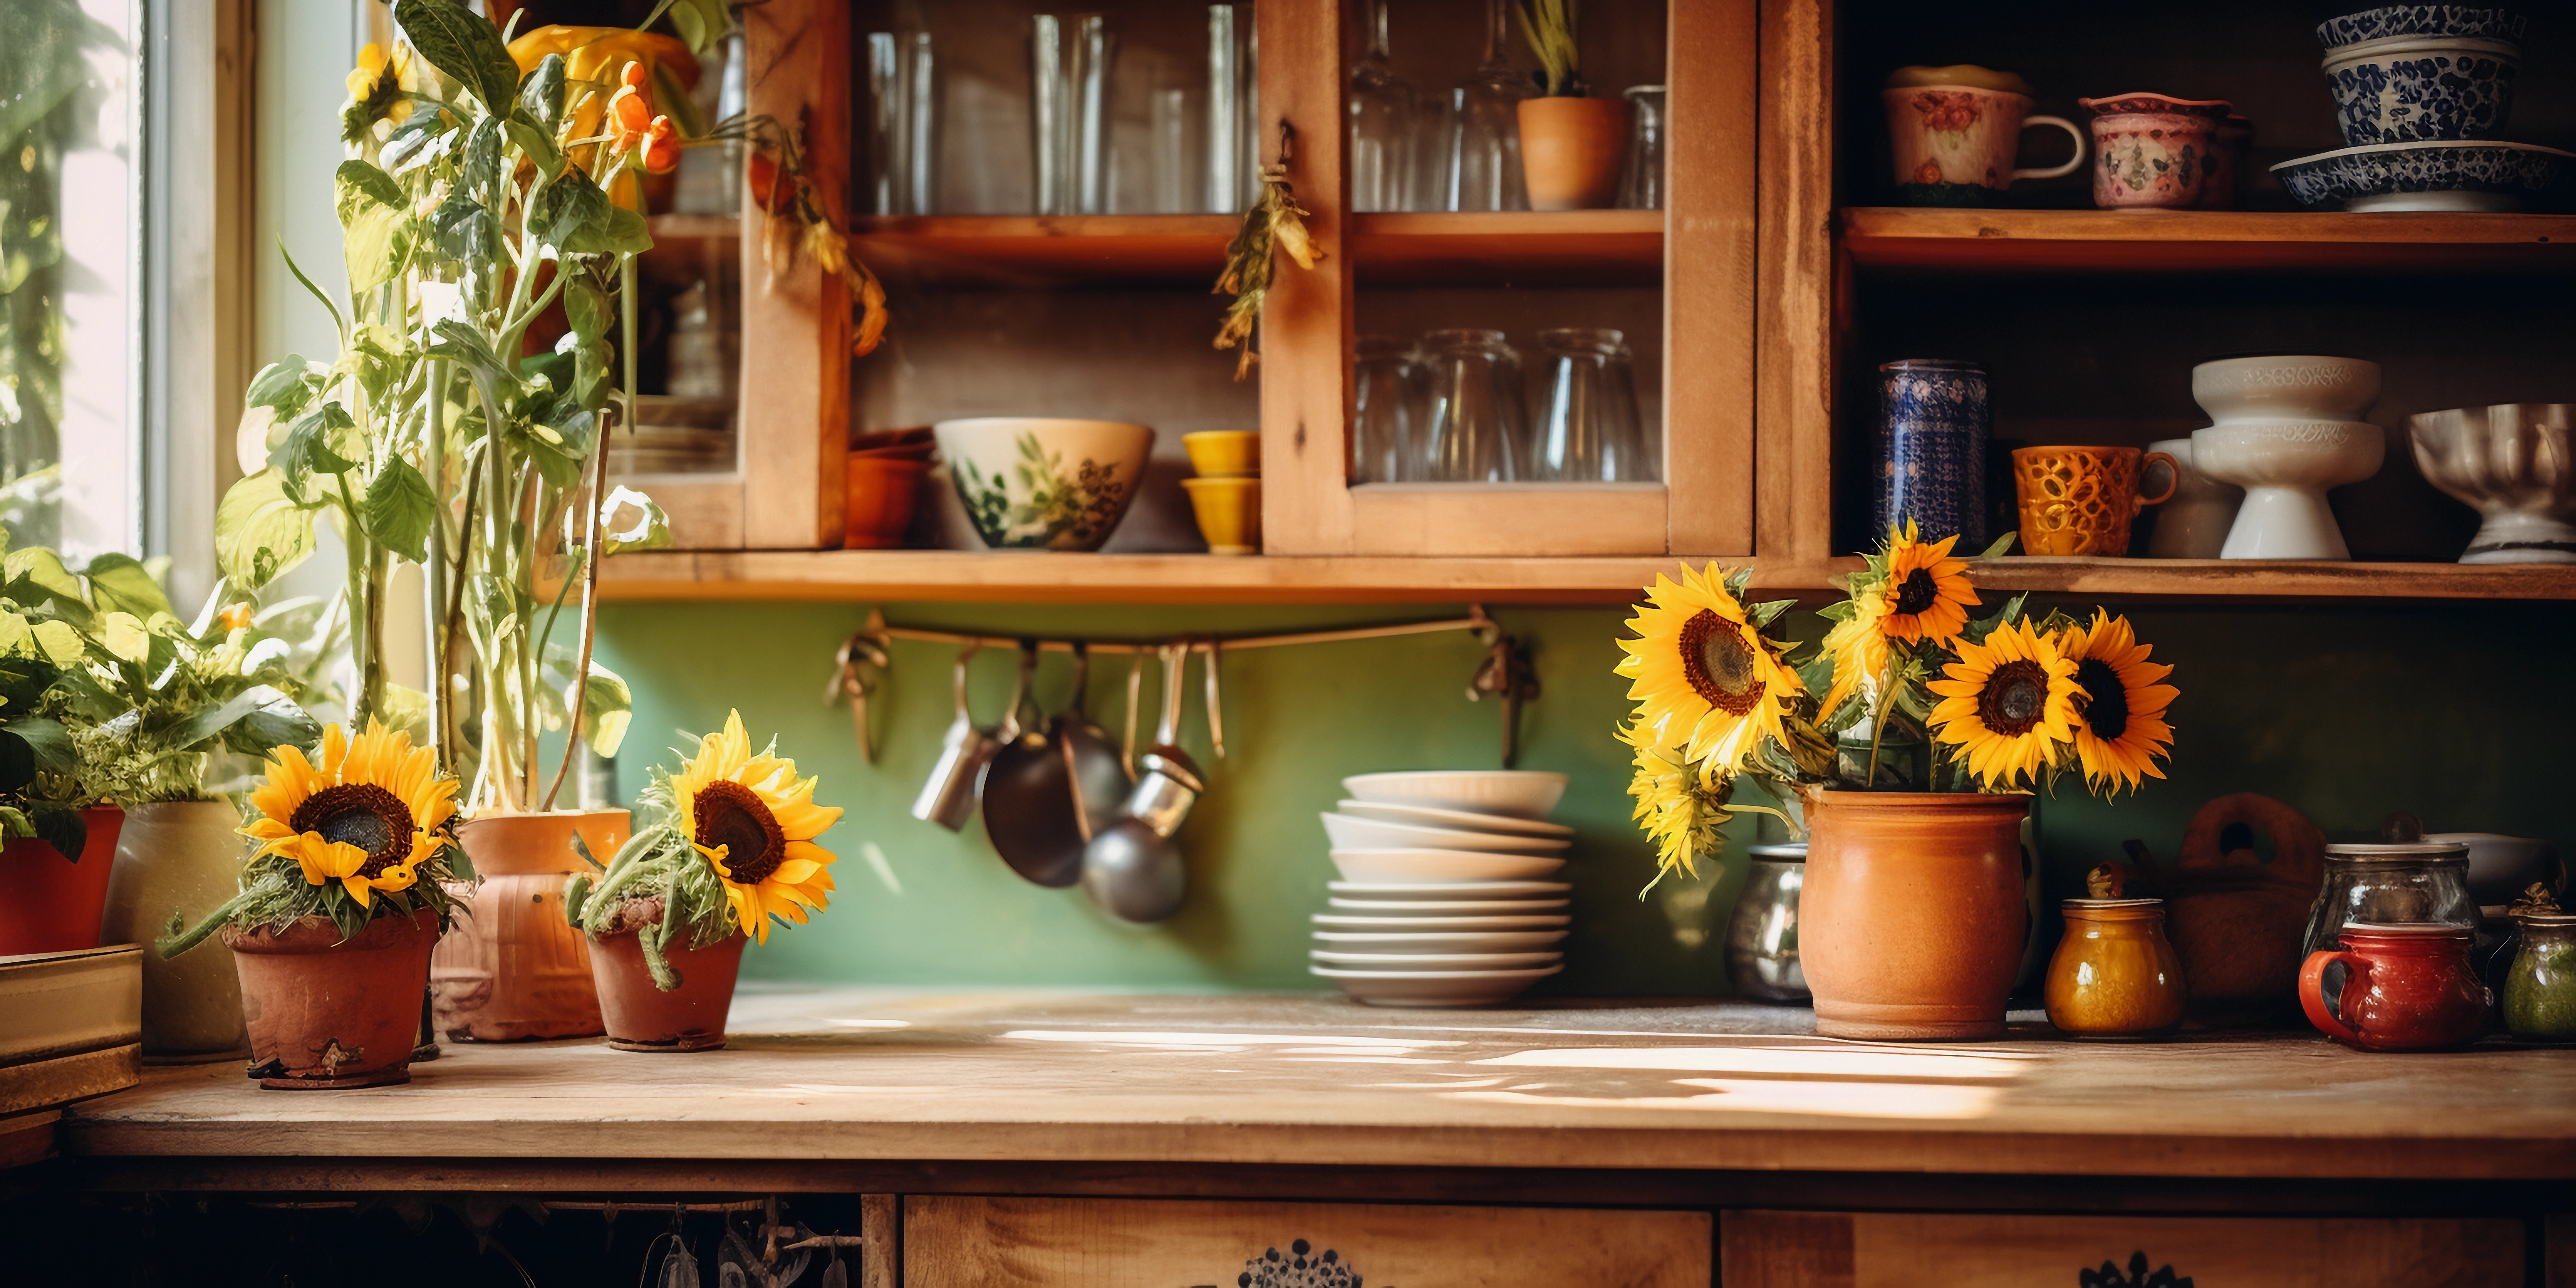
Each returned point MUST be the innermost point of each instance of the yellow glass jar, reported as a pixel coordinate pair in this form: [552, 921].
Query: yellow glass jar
[2114, 975]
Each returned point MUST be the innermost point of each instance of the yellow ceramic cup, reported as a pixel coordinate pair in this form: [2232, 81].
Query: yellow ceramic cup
[2079, 500]
[1225, 453]
[1229, 512]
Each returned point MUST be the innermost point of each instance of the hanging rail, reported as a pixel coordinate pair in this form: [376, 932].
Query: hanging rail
[1475, 620]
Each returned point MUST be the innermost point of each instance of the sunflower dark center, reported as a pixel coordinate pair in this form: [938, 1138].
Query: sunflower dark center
[2015, 697]
[2106, 712]
[733, 816]
[1719, 664]
[1917, 592]
[359, 814]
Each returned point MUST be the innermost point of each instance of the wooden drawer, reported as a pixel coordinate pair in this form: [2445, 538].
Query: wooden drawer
[1904, 1250]
[968, 1242]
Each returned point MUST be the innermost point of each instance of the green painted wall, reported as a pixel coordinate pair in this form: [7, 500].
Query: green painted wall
[2455, 713]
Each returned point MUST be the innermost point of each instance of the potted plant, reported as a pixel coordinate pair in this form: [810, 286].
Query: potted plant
[1912, 919]
[54, 862]
[1571, 146]
[725, 849]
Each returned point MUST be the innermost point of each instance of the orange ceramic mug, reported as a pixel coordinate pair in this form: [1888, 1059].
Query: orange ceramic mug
[2079, 500]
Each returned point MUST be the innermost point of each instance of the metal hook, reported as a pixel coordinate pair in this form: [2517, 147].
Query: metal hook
[1215, 705]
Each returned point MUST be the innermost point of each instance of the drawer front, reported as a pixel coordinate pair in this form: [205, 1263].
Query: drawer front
[970, 1242]
[1906, 1250]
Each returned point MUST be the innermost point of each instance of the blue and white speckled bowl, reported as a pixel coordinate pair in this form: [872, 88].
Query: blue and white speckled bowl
[2438, 175]
[2495, 22]
[2415, 88]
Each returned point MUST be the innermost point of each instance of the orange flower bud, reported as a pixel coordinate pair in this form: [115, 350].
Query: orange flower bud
[662, 147]
[628, 115]
[236, 616]
[634, 75]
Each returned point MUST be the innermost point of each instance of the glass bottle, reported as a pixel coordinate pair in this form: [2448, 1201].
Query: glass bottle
[1641, 184]
[2395, 882]
[2114, 975]
[1588, 428]
[1389, 382]
[1381, 115]
[1477, 412]
[1484, 161]
[2540, 987]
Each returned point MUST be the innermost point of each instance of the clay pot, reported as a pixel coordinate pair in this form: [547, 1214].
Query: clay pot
[1571, 151]
[642, 1017]
[1912, 920]
[511, 967]
[324, 1013]
[2407, 987]
[182, 859]
[2234, 920]
[48, 905]
[883, 493]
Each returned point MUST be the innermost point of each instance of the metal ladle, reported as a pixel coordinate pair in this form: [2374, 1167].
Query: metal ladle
[1132, 869]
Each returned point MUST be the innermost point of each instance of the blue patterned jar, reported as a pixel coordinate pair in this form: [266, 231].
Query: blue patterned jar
[1933, 421]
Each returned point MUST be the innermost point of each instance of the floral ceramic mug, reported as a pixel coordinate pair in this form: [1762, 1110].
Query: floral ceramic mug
[2155, 152]
[1956, 133]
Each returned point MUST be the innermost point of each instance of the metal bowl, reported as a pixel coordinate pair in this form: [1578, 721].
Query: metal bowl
[2514, 463]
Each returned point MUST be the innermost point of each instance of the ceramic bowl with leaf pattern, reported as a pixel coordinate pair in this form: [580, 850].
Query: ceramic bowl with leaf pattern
[1033, 483]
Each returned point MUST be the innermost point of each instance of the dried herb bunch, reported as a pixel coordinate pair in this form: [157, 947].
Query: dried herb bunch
[1275, 221]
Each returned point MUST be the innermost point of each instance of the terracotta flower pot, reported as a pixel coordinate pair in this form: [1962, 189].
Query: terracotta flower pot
[511, 968]
[1912, 920]
[642, 1017]
[1571, 151]
[48, 905]
[324, 1013]
[883, 493]
[183, 859]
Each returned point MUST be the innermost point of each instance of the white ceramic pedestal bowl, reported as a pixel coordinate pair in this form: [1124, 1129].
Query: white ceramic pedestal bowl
[2285, 387]
[2285, 467]
[2513, 462]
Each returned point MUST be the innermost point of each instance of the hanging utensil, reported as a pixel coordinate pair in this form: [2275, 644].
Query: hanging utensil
[1099, 774]
[859, 655]
[948, 798]
[1505, 672]
[1215, 706]
[1135, 696]
[1034, 806]
[1132, 870]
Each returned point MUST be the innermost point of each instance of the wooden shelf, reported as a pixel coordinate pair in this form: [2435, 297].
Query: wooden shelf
[1550, 248]
[1882, 237]
[856, 575]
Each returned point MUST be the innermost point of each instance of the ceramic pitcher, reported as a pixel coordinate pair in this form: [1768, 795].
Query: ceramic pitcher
[1955, 133]
[2408, 986]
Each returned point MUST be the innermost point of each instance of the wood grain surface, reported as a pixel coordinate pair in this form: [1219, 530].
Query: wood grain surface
[1312, 1080]
[2204, 240]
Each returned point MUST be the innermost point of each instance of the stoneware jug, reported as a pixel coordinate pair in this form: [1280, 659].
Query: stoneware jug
[2408, 986]
[183, 859]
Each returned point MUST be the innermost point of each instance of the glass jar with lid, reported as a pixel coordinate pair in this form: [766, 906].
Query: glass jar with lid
[2540, 986]
[2114, 975]
[2396, 882]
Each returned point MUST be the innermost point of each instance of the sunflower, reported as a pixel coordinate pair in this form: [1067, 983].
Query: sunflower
[755, 821]
[366, 816]
[1858, 646]
[1706, 682]
[1928, 591]
[2007, 702]
[375, 93]
[2120, 724]
[1679, 813]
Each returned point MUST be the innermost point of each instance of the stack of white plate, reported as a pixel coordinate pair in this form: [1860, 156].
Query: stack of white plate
[1444, 898]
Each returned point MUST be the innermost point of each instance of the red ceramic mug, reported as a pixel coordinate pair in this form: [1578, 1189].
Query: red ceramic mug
[2407, 987]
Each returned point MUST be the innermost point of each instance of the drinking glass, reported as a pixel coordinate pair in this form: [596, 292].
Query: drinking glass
[1176, 187]
[1389, 379]
[1069, 66]
[1432, 124]
[1381, 116]
[1641, 186]
[1476, 413]
[1484, 137]
[902, 124]
[1233, 136]
[1589, 430]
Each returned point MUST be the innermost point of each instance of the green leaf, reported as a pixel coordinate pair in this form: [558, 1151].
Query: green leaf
[463, 343]
[121, 582]
[2003, 545]
[629, 520]
[314, 443]
[1764, 614]
[286, 386]
[674, 98]
[337, 325]
[701, 23]
[464, 45]
[607, 706]
[535, 144]
[586, 307]
[260, 531]
[61, 644]
[465, 230]
[65, 830]
[18, 762]
[38, 578]
[398, 509]
[541, 95]
[570, 212]
[372, 212]
[46, 741]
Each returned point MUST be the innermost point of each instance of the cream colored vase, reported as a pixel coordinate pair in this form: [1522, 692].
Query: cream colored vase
[183, 859]
[511, 968]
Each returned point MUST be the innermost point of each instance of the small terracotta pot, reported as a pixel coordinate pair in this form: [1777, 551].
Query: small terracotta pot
[1912, 920]
[49, 905]
[512, 968]
[1571, 151]
[183, 859]
[325, 1013]
[883, 493]
[644, 1018]
[2407, 987]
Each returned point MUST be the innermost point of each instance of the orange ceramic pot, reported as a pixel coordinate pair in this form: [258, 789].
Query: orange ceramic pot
[512, 968]
[2113, 975]
[49, 904]
[1571, 151]
[642, 1017]
[1912, 920]
[883, 490]
[326, 1013]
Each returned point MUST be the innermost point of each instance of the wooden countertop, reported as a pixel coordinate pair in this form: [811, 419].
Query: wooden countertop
[1234, 1079]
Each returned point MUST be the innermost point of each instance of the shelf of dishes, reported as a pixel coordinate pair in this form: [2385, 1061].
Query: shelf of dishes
[1896, 237]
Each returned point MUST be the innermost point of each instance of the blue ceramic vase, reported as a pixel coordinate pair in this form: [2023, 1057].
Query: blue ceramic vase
[1933, 422]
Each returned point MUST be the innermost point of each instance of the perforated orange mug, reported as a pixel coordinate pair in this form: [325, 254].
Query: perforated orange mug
[2079, 500]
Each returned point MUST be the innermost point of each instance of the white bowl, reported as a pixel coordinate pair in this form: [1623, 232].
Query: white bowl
[1437, 941]
[1517, 793]
[1350, 832]
[1464, 820]
[1435, 866]
[1469, 907]
[1089, 469]
[2285, 467]
[1412, 890]
[1437, 924]
[2285, 387]
[1434, 987]
[1434, 961]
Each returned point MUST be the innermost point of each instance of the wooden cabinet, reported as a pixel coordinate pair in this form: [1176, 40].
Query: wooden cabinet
[978, 1242]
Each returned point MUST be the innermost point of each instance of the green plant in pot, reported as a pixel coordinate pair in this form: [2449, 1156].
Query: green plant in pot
[1913, 919]
[724, 849]
[1571, 146]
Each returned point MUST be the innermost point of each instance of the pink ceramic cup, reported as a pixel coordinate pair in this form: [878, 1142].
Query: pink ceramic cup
[2153, 151]
[1955, 145]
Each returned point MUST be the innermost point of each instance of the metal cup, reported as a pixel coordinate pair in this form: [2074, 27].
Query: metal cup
[948, 798]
